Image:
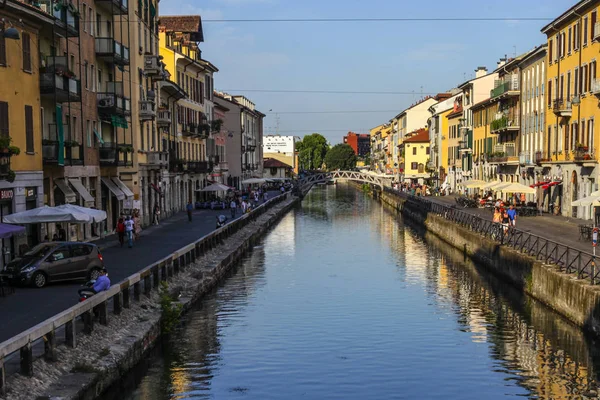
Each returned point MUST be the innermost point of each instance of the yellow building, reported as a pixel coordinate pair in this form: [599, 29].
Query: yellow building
[484, 141]
[572, 87]
[21, 175]
[377, 153]
[416, 149]
[190, 140]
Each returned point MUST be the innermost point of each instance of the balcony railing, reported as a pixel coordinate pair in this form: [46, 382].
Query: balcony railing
[199, 167]
[505, 123]
[113, 100]
[109, 50]
[116, 7]
[505, 87]
[147, 110]
[504, 153]
[163, 117]
[152, 66]
[583, 153]
[67, 20]
[62, 88]
[189, 129]
[158, 158]
[562, 107]
[113, 154]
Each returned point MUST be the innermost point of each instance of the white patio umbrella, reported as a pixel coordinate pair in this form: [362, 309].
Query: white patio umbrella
[215, 187]
[493, 185]
[515, 187]
[251, 181]
[97, 215]
[48, 214]
[474, 183]
[586, 201]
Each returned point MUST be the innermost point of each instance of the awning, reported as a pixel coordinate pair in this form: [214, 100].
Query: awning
[113, 188]
[99, 137]
[7, 231]
[87, 197]
[156, 188]
[538, 184]
[123, 187]
[191, 105]
[70, 196]
[549, 185]
[118, 121]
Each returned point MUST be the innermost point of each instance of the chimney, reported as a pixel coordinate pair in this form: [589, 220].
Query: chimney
[480, 71]
[502, 62]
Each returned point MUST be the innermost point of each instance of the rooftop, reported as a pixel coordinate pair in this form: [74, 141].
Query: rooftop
[421, 135]
[273, 163]
[191, 24]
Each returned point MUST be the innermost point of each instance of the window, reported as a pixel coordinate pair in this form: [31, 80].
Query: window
[88, 132]
[414, 151]
[91, 17]
[581, 137]
[591, 134]
[98, 24]
[549, 93]
[29, 129]
[72, 66]
[92, 75]
[85, 74]
[562, 44]
[576, 37]
[576, 81]
[84, 17]
[568, 84]
[414, 165]
[569, 41]
[95, 129]
[550, 49]
[592, 74]
[585, 31]
[26, 52]
[99, 85]
[427, 150]
[4, 131]
[592, 25]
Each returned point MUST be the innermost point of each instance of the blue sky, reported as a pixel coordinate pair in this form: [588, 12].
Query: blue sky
[417, 57]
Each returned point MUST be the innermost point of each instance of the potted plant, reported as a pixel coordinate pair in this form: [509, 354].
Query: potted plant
[14, 150]
[125, 148]
[5, 143]
[11, 176]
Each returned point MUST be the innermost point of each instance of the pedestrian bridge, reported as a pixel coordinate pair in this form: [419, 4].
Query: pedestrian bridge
[306, 183]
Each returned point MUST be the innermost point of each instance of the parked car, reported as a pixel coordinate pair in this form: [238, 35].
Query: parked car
[55, 261]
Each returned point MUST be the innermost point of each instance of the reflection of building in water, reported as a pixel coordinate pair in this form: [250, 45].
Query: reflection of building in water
[283, 238]
[551, 357]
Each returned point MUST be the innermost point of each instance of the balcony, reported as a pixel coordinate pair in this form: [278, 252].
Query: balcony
[50, 143]
[189, 129]
[595, 86]
[66, 14]
[159, 159]
[113, 101]
[115, 7]
[147, 112]
[199, 167]
[111, 51]
[541, 157]
[525, 158]
[163, 118]
[562, 108]
[57, 82]
[583, 153]
[596, 28]
[504, 123]
[114, 154]
[464, 146]
[152, 66]
[504, 89]
[504, 154]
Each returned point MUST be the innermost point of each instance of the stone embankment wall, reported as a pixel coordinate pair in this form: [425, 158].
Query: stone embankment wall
[573, 298]
[102, 358]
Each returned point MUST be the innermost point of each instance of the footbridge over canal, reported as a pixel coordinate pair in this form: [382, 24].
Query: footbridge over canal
[306, 183]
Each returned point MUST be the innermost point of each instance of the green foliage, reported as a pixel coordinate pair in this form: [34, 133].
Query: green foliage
[311, 151]
[341, 156]
[171, 310]
[14, 150]
[366, 188]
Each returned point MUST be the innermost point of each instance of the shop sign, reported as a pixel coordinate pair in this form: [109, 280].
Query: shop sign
[6, 194]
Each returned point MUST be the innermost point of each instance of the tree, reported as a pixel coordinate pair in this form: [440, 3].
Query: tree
[311, 151]
[341, 156]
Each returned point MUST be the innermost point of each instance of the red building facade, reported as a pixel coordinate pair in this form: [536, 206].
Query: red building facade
[360, 143]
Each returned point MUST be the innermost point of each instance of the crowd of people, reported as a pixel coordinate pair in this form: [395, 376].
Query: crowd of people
[417, 189]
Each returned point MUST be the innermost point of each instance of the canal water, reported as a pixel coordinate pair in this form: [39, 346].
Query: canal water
[343, 301]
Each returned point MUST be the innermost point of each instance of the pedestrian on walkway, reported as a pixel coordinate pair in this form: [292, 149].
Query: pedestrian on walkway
[129, 228]
[282, 189]
[265, 196]
[189, 208]
[121, 231]
[512, 216]
[233, 207]
[137, 224]
[244, 206]
[155, 214]
[505, 221]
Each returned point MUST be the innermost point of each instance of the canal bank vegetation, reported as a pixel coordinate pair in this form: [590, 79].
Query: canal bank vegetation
[102, 357]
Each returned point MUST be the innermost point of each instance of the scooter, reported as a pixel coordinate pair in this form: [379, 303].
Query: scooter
[87, 290]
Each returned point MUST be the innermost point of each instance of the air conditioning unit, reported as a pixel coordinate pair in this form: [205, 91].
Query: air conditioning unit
[106, 102]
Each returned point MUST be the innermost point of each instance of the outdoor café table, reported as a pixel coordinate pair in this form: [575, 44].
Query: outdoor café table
[585, 231]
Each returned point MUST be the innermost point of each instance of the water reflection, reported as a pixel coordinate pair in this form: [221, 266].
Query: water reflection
[344, 301]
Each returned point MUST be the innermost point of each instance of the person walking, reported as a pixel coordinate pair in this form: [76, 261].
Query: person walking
[129, 227]
[512, 216]
[121, 231]
[244, 206]
[265, 196]
[233, 207]
[137, 224]
[189, 208]
[155, 214]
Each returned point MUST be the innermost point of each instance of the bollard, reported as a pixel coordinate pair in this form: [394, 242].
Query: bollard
[118, 303]
[103, 312]
[88, 322]
[126, 298]
[71, 333]
[50, 346]
[27, 360]
[155, 277]
[176, 266]
[147, 285]
[137, 291]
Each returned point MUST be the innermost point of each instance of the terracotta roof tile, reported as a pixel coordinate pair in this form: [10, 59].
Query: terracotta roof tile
[422, 135]
[183, 24]
[273, 163]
